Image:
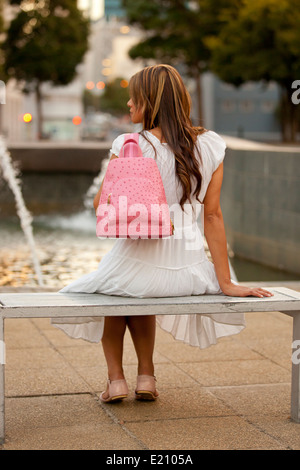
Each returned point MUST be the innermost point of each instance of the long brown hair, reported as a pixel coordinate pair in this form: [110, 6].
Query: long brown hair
[160, 93]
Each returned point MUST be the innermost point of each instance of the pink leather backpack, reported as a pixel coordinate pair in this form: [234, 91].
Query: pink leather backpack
[133, 202]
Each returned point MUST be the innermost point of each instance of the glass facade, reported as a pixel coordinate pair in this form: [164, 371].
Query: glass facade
[113, 8]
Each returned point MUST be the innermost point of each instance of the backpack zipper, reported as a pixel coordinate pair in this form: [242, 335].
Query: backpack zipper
[173, 228]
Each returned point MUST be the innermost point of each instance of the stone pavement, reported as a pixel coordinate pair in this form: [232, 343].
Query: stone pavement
[234, 395]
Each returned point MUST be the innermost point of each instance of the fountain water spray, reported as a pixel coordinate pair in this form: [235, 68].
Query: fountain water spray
[10, 175]
[93, 190]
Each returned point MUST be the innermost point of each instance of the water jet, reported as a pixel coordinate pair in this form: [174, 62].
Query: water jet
[10, 175]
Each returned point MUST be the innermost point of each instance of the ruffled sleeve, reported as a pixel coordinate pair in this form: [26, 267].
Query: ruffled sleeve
[117, 145]
[212, 149]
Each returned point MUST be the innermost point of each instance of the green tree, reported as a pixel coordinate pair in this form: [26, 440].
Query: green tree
[44, 43]
[261, 41]
[1, 31]
[115, 97]
[176, 32]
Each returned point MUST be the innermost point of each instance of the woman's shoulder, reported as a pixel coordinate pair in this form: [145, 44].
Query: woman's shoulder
[211, 138]
[212, 148]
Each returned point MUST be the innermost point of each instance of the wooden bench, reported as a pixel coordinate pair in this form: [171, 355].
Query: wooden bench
[54, 305]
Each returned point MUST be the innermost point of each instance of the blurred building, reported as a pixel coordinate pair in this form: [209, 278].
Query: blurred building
[113, 9]
[94, 9]
[245, 112]
[11, 112]
[106, 59]
[11, 109]
[248, 111]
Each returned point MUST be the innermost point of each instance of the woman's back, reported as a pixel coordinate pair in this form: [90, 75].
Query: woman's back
[177, 265]
[211, 148]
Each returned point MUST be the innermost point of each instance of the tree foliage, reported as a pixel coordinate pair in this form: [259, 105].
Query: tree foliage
[115, 97]
[261, 42]
[45, 42]
[2, 74]
[176, 32]
[239, 40]
[172, 32]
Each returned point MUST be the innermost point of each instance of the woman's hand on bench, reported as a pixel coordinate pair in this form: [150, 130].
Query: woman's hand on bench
[235, 290]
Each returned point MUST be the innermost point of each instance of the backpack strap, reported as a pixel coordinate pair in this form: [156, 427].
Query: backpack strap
[131, 146]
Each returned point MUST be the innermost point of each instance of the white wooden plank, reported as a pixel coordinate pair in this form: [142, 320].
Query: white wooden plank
[79, 299]
[53, 298]
[287, 292]
[53, 305]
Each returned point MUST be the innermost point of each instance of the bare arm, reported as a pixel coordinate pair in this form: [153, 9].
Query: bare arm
[97, 197]
[216, 239]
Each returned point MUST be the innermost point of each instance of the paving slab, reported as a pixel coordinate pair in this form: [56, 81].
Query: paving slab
[233, 395]
[74, 422]
[256, 400]
[207, 433]
[191, 402]
[236, 372]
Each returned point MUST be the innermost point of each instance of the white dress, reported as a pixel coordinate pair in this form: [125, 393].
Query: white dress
[175, 266]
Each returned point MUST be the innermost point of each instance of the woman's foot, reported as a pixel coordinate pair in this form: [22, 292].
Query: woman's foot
[146, 388]
[116, 390]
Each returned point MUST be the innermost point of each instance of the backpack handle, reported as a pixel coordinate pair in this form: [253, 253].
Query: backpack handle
[131, 146]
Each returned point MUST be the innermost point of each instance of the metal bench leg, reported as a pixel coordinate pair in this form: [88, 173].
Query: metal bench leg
[2, 390]
[295, 404]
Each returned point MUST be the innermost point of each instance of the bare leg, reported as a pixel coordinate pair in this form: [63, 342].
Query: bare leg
[112, 342]
[142, 330]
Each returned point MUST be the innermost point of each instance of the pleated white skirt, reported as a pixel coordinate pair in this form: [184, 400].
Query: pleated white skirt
[156, 268]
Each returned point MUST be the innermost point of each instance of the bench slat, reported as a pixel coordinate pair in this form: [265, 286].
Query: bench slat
[53, 305]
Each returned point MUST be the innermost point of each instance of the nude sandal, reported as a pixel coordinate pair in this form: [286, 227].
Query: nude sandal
[146, 388]
[117, 390]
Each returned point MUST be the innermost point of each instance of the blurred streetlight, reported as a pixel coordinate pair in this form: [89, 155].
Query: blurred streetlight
[124, 29]
[106, 72]
[124, 83]
[106, 62]
[90, 85]
[100, 85]
[77, 120]
[27, 117]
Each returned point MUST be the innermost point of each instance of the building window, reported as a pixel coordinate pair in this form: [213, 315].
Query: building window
[268, 106]
[246, 106]
[228, 106]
